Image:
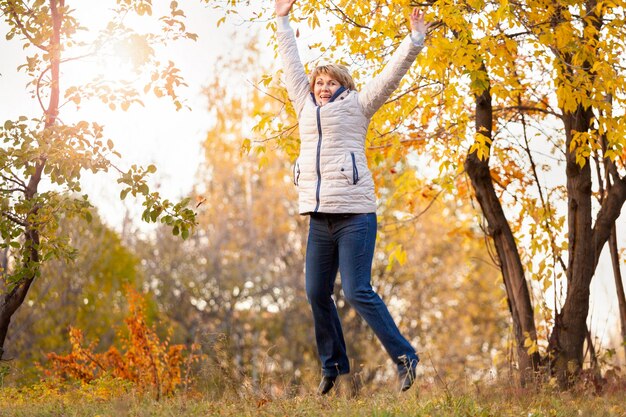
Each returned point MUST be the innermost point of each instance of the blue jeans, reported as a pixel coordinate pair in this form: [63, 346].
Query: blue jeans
[345, 242]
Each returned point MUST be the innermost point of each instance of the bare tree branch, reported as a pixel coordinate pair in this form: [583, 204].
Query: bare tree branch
[345, 17]
[522, 108]
[14, 219]
[15, 180]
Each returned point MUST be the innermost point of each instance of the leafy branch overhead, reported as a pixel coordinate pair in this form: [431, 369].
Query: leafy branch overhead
[43, 157]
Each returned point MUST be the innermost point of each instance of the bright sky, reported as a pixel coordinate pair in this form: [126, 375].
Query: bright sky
[172, 140]
[155, 133]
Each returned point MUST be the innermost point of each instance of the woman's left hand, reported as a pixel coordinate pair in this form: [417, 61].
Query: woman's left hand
[417, 21]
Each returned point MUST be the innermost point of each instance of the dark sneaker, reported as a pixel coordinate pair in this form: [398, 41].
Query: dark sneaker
[328, 382]
[406, 371]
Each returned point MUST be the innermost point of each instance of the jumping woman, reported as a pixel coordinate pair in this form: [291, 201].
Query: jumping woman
[336, 190]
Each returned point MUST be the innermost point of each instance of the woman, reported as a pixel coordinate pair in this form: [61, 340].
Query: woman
[336, 189]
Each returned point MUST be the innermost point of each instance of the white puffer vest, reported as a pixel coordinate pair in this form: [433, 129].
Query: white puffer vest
[331, 172]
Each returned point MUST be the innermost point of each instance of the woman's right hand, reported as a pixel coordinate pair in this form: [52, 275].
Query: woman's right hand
[417, 21]
[283, 7]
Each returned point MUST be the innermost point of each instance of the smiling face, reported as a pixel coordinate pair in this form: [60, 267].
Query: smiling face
[325, 80]
[324, 88]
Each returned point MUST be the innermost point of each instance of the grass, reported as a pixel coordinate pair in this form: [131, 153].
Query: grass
[114, 398]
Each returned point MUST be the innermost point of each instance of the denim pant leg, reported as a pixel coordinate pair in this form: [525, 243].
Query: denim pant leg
[356, 237]
[322, 259]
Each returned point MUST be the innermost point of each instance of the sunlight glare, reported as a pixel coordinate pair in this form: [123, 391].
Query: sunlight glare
[124, 59]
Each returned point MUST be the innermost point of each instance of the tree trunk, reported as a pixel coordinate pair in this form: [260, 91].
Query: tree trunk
[619, 286]
[585, 243]
[498, 228]
[570, 329]
[585, 246]
[16, 294]
[611, 172]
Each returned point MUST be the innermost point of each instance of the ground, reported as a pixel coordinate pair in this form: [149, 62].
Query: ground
[113, 398]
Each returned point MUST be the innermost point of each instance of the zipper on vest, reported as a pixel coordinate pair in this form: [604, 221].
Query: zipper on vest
[339, 91]
[319, 151]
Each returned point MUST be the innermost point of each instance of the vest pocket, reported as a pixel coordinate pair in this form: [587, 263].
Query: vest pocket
[296, 172]
[350, 169]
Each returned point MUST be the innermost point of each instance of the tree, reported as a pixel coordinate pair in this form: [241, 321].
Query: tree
[43, 150]
[582, 65]
[534, 91]
[87, 293]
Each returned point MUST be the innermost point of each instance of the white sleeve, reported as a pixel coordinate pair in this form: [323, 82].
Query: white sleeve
[377, 91]
[416, 37]
[295, 77]
[282, 23]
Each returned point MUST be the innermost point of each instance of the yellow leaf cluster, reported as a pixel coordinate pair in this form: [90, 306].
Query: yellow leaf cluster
[481, 146]
[530, 345]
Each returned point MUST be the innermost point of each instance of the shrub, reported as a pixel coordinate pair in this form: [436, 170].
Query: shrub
[145, 360]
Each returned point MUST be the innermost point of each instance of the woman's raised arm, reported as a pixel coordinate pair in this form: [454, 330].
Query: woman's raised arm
[377, 91]
[295, 77]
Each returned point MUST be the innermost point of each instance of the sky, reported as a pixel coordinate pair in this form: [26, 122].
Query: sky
[153, 134]
[157, 134]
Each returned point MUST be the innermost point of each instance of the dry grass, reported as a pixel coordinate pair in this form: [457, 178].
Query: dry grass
[115, 398]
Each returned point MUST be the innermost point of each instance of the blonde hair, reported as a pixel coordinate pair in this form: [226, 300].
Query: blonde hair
[336, 71]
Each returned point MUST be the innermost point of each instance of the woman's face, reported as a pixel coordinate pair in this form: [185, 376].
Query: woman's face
[324, 88]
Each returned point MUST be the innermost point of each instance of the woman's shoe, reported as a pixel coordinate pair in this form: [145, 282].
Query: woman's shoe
[328, 382]
[406, 371]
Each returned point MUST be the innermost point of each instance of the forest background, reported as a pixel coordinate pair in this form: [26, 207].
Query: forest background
[232, 290]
